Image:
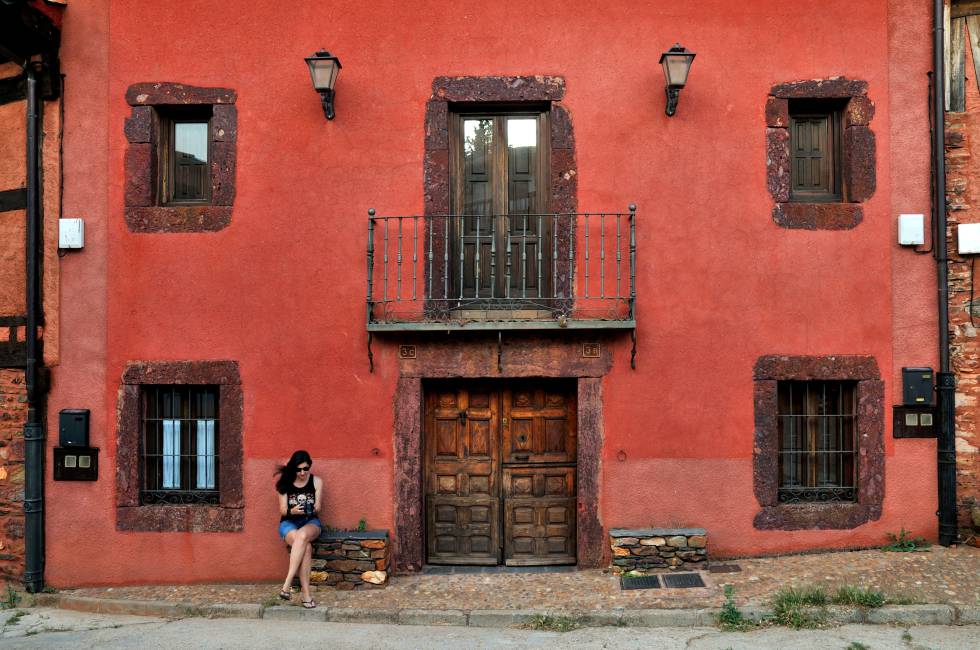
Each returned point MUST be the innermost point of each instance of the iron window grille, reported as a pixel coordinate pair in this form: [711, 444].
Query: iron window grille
[180, 428]
[817, 460]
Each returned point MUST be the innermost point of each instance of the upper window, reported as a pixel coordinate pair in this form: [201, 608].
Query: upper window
[183, 157]
[179, 439]
[815, 145]
[500, 175]
[816, 441]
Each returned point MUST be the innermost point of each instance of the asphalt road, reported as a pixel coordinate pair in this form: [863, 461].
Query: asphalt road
[53, 628]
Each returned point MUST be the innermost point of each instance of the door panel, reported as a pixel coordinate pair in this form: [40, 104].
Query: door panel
[480, 510]
[462, 499]
[539, 515]
[539, 425]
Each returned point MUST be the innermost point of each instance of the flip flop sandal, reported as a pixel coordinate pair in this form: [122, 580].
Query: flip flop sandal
[284, 595]
[309, 604]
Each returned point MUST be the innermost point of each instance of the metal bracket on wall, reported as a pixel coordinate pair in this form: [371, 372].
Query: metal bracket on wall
[370, 354]
[500, 345]
[633, 352]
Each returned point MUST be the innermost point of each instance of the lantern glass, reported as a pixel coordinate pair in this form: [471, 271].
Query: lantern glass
[323, 70]
[677, 64]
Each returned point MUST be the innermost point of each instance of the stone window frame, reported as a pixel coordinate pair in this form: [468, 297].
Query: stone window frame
[870, 395]
[225, 516]
[858, 155]
[143, 210]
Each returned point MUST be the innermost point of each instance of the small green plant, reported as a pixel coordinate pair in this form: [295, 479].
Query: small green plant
[793, 607]
[15, 617]
[907, 636]
[856, 645]
[10, 599]
[903, 542]
[552, 623]
[361, 525]
[49, 590]
[848, 595]
[731, 618]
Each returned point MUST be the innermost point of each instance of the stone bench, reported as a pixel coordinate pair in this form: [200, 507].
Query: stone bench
[348, 559]
[653, 549]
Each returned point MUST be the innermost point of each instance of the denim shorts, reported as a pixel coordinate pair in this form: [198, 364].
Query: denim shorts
[287, 526]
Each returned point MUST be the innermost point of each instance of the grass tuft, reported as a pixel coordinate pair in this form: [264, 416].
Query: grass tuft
[859, 596]
[792, 607]
[731, 618]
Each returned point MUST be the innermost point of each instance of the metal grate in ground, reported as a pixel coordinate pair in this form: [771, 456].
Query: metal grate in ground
[639, 582]
[724, 568]
[682, 580]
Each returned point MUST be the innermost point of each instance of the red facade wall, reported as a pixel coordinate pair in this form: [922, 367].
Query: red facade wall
[281, 289]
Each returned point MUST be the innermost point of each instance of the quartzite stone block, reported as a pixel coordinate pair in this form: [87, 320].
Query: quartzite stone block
[859, 163]
[777, 112]
[778, 164]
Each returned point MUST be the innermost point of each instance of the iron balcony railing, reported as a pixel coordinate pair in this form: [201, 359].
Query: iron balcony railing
[502, 271]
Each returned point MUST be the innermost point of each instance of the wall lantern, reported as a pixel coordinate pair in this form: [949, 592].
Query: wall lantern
[677, 63]
[324, 68]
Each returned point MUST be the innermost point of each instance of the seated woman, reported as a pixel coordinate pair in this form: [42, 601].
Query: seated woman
[299, 507]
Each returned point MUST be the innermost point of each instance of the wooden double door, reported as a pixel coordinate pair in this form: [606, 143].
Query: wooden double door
[499, 479]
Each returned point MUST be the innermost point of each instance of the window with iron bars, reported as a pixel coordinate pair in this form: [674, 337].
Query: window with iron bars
[179, 443]
[817, 461]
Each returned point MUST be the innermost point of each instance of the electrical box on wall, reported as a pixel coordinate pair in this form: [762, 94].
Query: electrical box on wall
[968, 238]
[911, 231]
[76, 463]
[71, 233]
[914, 421]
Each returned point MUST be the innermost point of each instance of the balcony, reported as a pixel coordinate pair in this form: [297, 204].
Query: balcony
[501, 272]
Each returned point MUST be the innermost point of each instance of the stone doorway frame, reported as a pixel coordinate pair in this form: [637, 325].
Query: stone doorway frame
[465, 359]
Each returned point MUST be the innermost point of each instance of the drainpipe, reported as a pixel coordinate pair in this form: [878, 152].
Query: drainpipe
[946, 380]
[36, 390]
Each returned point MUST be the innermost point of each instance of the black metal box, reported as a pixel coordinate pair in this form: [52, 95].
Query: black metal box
[73, 428]
[917, 386]
[914, 421]
[76, 463]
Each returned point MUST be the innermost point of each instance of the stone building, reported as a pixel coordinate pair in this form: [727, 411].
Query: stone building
[510, 294]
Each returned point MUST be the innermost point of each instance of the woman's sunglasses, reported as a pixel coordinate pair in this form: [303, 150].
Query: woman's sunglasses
[303, 468]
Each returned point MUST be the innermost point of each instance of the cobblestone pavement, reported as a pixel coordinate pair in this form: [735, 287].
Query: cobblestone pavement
[939, 575]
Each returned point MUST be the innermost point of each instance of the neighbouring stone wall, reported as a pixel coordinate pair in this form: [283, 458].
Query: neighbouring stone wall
[650, 549]
[13, 414]
[963, 206]
[346, 559]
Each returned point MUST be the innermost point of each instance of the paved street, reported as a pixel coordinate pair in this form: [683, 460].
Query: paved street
[52, 628]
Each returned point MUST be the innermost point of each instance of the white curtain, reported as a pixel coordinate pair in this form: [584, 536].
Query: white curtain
[205, 454]
[171, 454]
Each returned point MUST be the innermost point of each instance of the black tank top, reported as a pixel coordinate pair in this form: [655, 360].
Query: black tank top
[298, 496]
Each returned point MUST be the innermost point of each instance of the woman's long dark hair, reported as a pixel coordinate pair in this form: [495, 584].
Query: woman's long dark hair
[287, 472]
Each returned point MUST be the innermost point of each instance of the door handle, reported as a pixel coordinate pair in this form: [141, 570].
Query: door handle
[462, 417]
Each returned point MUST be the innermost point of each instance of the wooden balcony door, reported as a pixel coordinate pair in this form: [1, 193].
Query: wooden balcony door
[501, 246]
[500, 473]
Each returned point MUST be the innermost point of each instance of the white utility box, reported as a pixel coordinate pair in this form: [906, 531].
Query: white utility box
[968, 238]
[71, 233]
[911, 231]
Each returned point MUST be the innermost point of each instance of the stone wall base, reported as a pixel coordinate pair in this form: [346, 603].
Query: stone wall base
[658, 549]
[345, 559]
